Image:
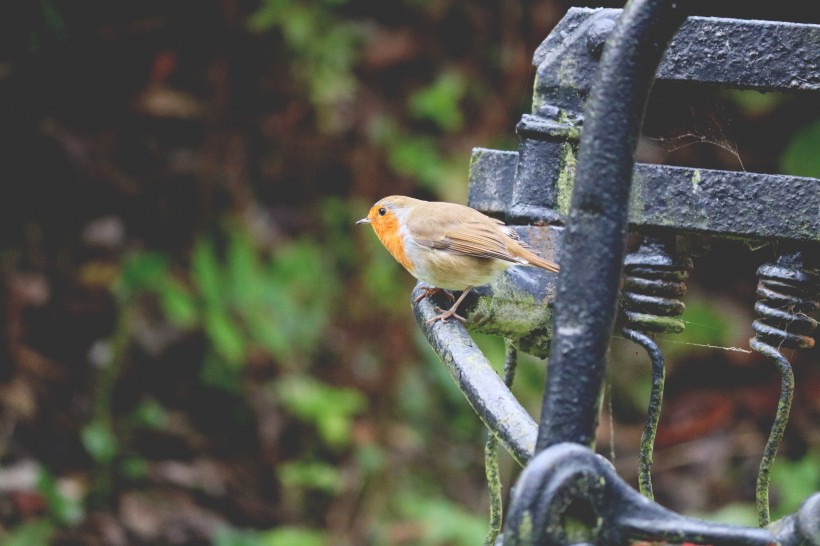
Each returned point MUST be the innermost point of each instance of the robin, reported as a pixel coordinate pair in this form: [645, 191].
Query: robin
[448, 246]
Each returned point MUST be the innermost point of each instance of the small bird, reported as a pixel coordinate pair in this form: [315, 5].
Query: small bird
[448, 246]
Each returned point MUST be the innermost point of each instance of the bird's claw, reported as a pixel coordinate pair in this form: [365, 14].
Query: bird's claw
[446, 315]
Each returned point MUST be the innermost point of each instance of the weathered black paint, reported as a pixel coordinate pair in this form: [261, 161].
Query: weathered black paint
[568, 481]
[479, 382]
[595, 235]
[751, 206]
[531, 188]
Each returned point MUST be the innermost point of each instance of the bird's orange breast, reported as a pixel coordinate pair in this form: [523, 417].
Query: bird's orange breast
[390, 235]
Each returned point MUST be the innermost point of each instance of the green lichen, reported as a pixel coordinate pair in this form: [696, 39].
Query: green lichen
[636, 201]
[566, 177]
[696, 179]
[537, 99]
[513, 314]
[525, 528]
[568, 73]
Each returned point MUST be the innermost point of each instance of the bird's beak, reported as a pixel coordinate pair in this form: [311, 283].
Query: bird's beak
[364, 221]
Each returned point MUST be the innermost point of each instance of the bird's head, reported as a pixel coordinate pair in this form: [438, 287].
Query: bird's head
[386, 214]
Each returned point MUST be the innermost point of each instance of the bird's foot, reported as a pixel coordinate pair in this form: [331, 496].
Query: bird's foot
[428, 291]
[451, 312]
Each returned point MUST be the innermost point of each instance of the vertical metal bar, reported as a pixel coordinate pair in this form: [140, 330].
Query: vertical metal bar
[594, 241]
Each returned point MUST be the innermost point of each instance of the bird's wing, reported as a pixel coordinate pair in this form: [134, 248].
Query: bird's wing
[479, 239]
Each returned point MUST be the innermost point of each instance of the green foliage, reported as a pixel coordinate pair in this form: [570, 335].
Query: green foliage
[149, 414]
[64, 510]
[708, 322]
[99, 442]
[800, 157]
[793, 482]
[442, 522]
[134, 468]
[330, 409]
[754, 103]
[310, 475]
[283, 536]
[145, 271]
[30, 533]
[243, 299]
[324, 50]
[736, 513]
[419, 156]
[440, 101]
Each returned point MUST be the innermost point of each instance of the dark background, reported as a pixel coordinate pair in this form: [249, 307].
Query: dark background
[198, 345]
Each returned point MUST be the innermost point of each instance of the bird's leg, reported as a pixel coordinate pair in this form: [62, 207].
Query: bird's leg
[451, 312]
[430, 290]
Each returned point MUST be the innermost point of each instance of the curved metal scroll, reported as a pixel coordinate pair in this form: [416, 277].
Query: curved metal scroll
[570, 495]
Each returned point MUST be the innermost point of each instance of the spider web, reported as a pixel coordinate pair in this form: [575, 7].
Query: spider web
[709, 123]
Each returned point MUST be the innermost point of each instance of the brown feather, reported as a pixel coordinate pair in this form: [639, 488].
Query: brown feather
[462, 230]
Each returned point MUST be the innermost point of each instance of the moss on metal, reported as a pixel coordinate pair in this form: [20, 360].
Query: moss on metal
[565, 178]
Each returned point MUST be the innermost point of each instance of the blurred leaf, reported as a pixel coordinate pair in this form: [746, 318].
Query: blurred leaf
[708, 322]
[310, 475]
[216, 373]
[206, 273]
[371, 458]
[53, 18]
[64, 510]
[228, 536]
[331, 409]
[324, 48]
[793, 482]
[282, 536]
[755, 103]
[178, 304]
[440, 101]
[417, 156]
[226, 337]
[293, 536]
[308, 284]
[134, 468]
[142, 271]
[150, 414]
[800, 157]
[30, 533]
[246, 280]
[99, 442]
[736, 513]
[443, 521]
[338, 222]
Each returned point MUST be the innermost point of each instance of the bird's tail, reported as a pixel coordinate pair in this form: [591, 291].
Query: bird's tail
[536, 260]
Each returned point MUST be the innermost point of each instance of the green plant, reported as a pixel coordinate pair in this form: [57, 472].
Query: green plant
[38, 531]
[800, 157]
[64, 510]
[794, 481]
[440, 101]
[245, 300]
[440, 521]
[324, 50]
[331, 409]
[283, 536]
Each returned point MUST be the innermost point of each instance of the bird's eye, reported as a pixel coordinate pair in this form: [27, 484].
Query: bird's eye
[382, 211]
